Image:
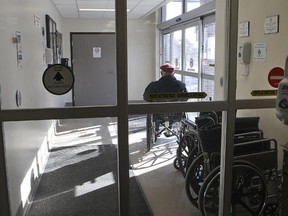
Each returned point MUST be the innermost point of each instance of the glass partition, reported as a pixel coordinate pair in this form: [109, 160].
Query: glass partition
[259, 78]
[257, 180]
[86, 59]
[64, 165]
[159, 146]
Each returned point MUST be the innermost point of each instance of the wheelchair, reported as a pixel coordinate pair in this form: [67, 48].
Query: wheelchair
[251, 169]
[169, 124]
[188, 145]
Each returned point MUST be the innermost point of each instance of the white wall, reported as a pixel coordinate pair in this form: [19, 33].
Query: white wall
[141, 48]
[24, 139]
[255, 12]
[277, 49]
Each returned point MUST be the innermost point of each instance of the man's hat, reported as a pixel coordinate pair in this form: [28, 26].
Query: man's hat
[167, 67]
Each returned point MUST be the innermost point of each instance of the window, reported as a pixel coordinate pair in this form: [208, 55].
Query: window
[190, 47]
[176, 49]
[172, 9]
[192, 4]
[177, 7]
[166, 51]
[209, 48]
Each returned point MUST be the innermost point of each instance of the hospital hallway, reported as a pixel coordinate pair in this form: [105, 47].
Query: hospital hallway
[80, 177]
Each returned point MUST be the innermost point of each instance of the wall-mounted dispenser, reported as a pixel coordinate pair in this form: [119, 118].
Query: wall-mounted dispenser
[244, 56]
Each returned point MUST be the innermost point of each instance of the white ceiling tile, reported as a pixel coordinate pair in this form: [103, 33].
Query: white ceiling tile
[92, 4]
[91, 14]
[64, 2]
[68, 13]
[111, 5]
[67, 8]
[151, 5]
[138, 8]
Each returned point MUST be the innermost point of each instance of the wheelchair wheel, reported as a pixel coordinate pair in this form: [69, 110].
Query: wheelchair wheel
[271, 209]
[249, 191]
[191, 157]
[186, 144]
[194, 179]
[176, 164]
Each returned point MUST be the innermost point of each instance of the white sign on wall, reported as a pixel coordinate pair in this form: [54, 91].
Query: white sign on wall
[244, 29]
[96, 52]
[259, 52]
[271, 24]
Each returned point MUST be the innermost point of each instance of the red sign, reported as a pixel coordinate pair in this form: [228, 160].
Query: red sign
[275, 76]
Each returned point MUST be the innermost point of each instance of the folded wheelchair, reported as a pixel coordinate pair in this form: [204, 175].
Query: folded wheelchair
[255, 163]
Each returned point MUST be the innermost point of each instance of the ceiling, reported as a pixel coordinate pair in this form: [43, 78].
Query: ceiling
[137, 8]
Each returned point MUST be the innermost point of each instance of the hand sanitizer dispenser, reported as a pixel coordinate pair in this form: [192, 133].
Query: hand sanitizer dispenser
[244, 55]
[282, 97]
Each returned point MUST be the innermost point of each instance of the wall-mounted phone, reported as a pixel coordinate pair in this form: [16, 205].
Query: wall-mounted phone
[244, 56]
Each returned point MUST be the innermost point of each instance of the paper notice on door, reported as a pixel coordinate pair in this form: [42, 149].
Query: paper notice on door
[96, 52]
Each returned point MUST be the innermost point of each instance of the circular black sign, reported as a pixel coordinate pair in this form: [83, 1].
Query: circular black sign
[58, 79]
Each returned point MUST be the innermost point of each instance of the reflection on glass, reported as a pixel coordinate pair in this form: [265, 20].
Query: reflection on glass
[177, 49]
[192, 49]
[73, 162]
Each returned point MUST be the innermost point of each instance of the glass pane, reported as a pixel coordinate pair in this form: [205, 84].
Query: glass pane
[250, 84]
[257, 179]
[68, 165]
[166, 48]
[153, 158]
[192, 4]
[177, 49]
[209, 49]
[178, 76]
[266, 154]
[192, 49]
[172, 9]
[191, 83]
[208, 88]
[92, 63]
